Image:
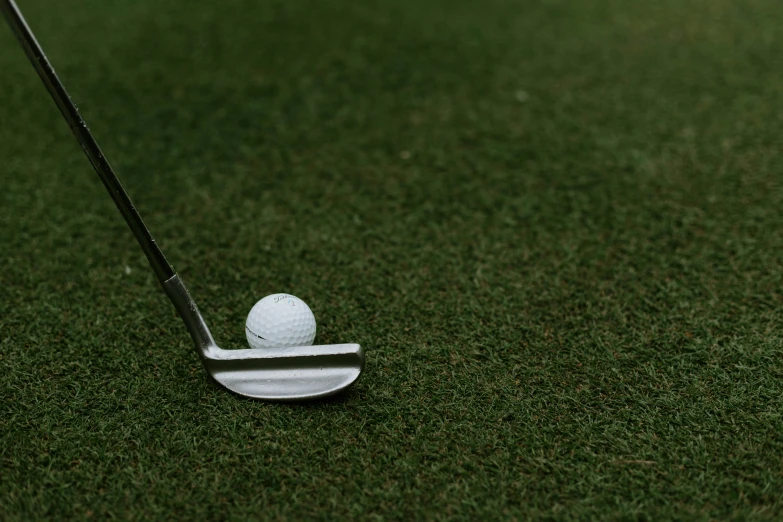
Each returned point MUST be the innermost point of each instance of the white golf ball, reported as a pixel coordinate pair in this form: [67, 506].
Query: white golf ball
[280, 321]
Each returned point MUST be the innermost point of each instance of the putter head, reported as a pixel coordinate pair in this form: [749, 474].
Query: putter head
[286, 374]
[275, 374]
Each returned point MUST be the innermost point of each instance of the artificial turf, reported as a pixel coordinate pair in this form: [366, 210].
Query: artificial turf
[554, 225]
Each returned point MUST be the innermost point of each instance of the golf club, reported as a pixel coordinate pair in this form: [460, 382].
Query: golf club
[281, 374]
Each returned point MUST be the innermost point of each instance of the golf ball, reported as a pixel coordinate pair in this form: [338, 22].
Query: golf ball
[280, 321]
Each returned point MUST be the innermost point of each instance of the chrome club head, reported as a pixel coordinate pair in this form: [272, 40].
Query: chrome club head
[286, 374]
[278, 374]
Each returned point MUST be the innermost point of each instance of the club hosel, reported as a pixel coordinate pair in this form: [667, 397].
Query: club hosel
[188, 311]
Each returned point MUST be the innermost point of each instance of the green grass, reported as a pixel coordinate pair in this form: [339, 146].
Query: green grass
[555, 226]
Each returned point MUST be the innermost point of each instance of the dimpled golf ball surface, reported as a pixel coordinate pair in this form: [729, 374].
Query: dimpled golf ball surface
[280, 321]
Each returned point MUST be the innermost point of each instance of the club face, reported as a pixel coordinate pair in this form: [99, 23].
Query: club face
[292, 374]
[275, 374]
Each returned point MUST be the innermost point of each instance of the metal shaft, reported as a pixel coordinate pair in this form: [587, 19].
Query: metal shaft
[99, 162]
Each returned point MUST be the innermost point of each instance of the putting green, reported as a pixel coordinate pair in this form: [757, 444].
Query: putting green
[555, 226]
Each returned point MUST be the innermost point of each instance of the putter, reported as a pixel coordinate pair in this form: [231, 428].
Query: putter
[282, 374]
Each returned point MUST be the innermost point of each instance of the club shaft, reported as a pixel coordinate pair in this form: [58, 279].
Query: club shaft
[35, 53]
